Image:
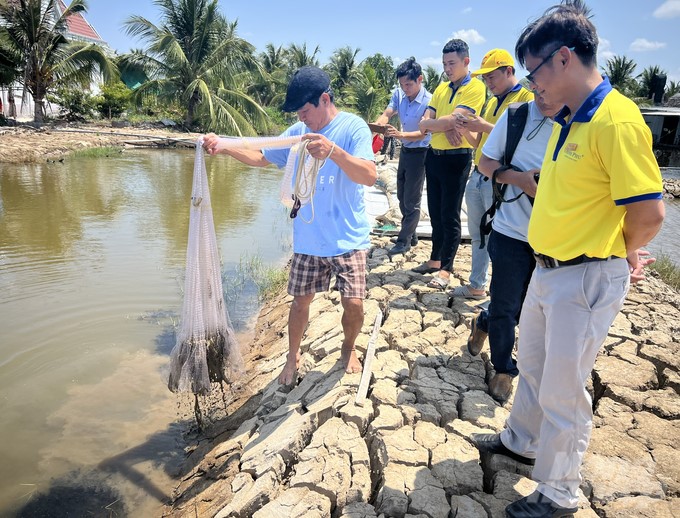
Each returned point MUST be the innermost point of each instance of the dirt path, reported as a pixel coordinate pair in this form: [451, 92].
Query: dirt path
[24, 144]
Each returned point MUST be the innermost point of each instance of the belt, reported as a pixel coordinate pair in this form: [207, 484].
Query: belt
[459, 151]
[484, 177]
[546, 261]
[405, 149]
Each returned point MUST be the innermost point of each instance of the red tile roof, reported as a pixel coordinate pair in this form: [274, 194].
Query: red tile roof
[79, 26]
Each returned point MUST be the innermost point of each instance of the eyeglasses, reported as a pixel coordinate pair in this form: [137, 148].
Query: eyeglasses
[531, 76]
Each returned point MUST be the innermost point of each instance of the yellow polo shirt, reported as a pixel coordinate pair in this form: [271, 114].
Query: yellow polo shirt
[471, 94]
[595, 164]
[495, 108]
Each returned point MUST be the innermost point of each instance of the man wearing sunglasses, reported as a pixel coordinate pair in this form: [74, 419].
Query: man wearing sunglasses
[598, 202]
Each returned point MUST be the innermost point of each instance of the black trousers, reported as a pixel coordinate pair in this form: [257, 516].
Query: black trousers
[446, 178]
[410, 180]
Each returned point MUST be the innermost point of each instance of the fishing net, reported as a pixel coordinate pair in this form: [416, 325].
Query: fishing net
[206, 349]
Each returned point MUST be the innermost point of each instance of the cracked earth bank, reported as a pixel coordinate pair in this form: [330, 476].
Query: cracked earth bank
[311, 452]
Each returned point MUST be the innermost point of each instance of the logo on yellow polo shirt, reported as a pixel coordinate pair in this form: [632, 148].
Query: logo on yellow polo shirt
[570, 151]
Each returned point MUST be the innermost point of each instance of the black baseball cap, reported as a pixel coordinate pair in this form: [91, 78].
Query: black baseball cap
[307, 85]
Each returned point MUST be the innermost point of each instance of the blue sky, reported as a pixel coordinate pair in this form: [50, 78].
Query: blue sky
[640, 29]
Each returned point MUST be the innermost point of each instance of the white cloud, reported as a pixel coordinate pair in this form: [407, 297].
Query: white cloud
[644, 45]
[603, 57]
[604, 51]
[669, 9]
[467, 10]
[470, 36]
[435, 62]
[436, 43]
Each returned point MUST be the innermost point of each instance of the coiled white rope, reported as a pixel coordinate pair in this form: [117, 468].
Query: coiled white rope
[300, 165]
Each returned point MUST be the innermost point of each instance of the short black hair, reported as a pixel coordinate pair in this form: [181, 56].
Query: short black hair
[410, 69]
[566, 24]
[317, 100]
[457, 46]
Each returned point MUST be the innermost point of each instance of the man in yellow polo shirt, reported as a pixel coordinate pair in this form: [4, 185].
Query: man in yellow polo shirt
[598, 202]
[447, 164]
[498, 73]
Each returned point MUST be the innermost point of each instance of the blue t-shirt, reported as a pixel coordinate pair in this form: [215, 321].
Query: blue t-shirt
[339, 222]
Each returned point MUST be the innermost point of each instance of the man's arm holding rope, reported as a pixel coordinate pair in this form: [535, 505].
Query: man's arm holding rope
[357, 169]
[214, 145]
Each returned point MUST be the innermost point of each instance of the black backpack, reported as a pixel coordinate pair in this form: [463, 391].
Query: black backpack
[517, 119]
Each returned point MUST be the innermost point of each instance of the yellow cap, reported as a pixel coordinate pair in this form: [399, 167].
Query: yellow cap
[494, 59]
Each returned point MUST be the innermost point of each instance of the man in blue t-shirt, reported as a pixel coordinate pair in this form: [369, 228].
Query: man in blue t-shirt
[410, 101]
[330, 234]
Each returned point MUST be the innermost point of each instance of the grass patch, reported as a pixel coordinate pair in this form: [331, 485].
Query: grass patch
[667, 271]
[97, 152]
[250, 271]
[269, 280]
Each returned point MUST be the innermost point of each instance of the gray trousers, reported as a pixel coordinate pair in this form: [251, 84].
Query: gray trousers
[410, 180]
[565, 319]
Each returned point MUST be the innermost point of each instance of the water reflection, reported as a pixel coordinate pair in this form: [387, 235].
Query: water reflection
[92, 254]
[666, 241]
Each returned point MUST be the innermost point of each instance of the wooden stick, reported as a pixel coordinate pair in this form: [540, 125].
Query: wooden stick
[368, 361]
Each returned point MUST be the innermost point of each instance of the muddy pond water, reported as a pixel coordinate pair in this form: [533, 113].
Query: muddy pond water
[92, 255]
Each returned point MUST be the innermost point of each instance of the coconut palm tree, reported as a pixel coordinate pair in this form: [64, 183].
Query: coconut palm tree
[384, 68]
[432, 78]
[33, 34]
[9, 65]
[620, 71]
[366, 94]
[672, 88]
[195, 58]
[342, 68]
[298, 56]
[270, 87]
[646, 80]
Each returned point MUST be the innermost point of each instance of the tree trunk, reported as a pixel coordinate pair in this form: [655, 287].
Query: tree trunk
[38, 110]
[191, 109]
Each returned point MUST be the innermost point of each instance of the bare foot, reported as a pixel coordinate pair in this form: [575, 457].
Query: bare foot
[350, 361]
[288, 375]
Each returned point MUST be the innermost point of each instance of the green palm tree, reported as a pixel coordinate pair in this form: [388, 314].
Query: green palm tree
[270, 87]
[33, 35]
[432, 78]
[620, 71]
[9, 65]
[646, 80]
[672, 88]
[342, 68]
[366, 94]
[384, 68]
[195, 59]
[297, 56]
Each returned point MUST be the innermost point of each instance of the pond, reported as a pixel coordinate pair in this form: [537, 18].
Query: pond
[92, 255]
[666, 241]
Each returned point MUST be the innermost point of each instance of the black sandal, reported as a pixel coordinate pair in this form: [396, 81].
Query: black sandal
[424, 268]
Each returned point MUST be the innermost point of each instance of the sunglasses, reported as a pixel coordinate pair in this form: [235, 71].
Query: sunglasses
[531, 76]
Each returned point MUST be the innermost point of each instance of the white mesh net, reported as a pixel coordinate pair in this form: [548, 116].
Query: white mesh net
[206, 350]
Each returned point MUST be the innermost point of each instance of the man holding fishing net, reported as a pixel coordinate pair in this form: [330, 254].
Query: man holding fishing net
[331, 229]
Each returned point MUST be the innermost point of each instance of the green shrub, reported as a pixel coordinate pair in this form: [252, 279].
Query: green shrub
[113, 100]
[75, 103]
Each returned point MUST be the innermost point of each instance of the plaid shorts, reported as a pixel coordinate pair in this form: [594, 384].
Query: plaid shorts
[311, 274]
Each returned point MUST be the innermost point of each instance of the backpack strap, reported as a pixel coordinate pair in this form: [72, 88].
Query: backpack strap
[518, 114]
